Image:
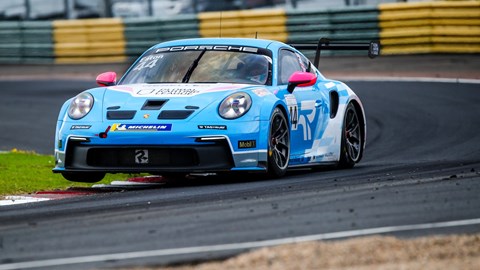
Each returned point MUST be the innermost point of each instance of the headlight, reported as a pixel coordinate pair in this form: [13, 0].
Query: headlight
[80, 105]
[235, 105]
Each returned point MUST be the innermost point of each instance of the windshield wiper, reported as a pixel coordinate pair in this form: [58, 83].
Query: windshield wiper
[192, 67]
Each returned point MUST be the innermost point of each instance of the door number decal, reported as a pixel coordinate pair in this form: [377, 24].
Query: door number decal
[141, 156]
[293, 110]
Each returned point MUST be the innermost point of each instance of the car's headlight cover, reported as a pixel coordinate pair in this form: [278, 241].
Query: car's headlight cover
[235, 105]
[80, 105]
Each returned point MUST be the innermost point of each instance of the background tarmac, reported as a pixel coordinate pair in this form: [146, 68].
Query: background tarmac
[421, 165]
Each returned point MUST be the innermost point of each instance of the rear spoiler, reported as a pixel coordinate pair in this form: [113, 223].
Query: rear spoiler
[324, 44]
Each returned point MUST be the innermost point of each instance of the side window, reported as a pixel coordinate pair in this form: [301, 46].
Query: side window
[289, 63]
[306, 64]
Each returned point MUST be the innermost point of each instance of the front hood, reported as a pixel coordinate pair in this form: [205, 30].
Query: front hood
[176, 96]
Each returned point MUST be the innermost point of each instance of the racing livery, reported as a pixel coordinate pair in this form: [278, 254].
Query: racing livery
[212, 105]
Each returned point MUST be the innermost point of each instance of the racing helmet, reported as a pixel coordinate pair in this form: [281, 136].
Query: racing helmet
[256, 68]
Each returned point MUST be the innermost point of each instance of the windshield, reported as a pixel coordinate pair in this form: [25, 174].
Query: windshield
[201, 66]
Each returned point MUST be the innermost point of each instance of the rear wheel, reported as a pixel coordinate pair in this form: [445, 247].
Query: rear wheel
[84, 177]
[278, 144]
[352, 138]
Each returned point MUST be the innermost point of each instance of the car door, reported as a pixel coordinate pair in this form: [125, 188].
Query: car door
[305, 106]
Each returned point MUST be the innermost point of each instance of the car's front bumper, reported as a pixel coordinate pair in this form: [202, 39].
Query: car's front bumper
[184, 150]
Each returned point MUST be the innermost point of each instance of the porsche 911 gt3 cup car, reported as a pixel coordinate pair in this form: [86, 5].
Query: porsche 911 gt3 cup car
[212, 105]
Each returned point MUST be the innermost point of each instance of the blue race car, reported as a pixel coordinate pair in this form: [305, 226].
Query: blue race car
[210, 106]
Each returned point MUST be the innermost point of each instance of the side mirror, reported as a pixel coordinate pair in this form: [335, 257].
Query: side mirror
[301, 79]
[107, 79]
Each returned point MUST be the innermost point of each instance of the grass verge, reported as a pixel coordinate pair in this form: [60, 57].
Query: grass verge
[23, 172]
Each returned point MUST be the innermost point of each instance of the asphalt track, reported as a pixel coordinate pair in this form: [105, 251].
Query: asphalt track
[421, 167]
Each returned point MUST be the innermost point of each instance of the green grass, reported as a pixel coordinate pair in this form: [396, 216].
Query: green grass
[24, 172]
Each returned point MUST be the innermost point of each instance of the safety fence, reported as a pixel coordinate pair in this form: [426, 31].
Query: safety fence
[419, 27]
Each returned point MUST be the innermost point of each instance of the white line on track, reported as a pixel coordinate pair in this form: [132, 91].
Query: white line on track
[10, 200]
[234, 246]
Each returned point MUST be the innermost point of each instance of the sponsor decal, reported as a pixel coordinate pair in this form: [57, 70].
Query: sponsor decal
[175, 90]
[76, 127]
[247, 144]
[261, 92]
[140, 127]
[168, 91]
[218, 127]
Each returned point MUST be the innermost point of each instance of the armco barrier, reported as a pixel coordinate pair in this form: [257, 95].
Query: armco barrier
[432, 27]
[265, 24]
[89, 41]
[26, 42]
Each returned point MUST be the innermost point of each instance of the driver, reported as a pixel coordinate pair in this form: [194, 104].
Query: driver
[256, 67]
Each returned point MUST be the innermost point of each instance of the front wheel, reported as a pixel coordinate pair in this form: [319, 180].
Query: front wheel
[278, 144]
[84, 177]
[352, 139]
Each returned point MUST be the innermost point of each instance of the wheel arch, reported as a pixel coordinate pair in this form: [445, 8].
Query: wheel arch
[284, 111]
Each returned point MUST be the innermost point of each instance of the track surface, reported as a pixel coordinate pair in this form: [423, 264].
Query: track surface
[421, 165]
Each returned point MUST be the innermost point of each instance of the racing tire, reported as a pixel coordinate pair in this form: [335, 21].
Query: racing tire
[83, 177]
[352, 139]
[278, 144]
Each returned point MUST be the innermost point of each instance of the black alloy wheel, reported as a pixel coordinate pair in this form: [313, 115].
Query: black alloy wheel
[352, 138]
[278, 144]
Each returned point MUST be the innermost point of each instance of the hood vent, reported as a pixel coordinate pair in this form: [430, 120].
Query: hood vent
[175, 114]
[120, 115]
[153, 104]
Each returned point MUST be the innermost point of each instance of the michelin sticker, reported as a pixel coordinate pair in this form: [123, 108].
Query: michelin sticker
[140, 127]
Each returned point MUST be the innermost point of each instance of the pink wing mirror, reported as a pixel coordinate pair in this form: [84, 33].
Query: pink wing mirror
[301, 79]
[107, 79]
